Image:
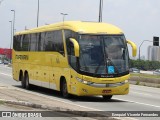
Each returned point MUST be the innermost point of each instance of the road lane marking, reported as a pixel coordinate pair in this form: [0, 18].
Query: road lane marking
[138, 103]
[5, 66]
[6, 74]
[141, 93]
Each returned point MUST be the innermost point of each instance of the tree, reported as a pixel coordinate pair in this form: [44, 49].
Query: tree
[144, 65]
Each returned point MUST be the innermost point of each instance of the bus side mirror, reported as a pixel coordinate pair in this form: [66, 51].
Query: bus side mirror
[134, 48]
[76, 47]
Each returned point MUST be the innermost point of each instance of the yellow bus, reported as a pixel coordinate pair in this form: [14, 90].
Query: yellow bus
[73, 57]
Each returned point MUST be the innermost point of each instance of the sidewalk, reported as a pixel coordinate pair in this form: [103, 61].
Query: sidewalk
[18, 96]
[15, 95]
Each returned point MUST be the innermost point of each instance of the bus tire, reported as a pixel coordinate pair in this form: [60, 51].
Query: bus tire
[21, 78]
[26, 77]
[64, 90]
[107, 97]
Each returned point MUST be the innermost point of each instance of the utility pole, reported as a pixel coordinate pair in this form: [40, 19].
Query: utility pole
[38, 15]
[13, 24]
[100, 10]
[11, 40]
[140, 47]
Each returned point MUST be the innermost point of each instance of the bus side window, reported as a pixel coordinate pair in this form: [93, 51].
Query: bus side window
[49, 41]
[25, 42]
[58, 42]
[16, 43]
[70, 49]
[33, 45]
[54, 41]
[40, 40]
[69, 34]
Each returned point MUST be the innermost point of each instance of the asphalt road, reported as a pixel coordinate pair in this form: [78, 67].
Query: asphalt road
[140, 98]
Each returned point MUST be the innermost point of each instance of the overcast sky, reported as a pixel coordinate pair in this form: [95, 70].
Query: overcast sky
[139, 19]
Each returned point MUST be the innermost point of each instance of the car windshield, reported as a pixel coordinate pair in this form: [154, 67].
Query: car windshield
[103, 54]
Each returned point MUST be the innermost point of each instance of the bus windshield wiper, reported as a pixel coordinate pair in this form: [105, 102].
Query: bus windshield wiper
[98, 66]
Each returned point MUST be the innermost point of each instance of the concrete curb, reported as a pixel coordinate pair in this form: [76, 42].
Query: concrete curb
[33, 105]
[69, 111]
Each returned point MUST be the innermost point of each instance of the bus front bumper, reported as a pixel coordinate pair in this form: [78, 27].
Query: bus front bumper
[87, 90]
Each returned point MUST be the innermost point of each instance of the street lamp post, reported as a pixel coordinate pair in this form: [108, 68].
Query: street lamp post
[11, 39]
[13, 24]
[140, 47]
[38, 15]
[64, 14]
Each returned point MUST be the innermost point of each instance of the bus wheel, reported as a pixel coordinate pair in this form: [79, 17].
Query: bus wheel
[107, 97]
[23, 83]
[27, 81]
[64, 89]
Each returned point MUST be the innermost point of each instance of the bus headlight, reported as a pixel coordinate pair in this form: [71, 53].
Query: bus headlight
[79, 80]
[126, 81]
[83, 81]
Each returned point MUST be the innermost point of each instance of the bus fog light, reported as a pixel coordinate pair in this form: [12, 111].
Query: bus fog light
[126, 81]
[83, 81]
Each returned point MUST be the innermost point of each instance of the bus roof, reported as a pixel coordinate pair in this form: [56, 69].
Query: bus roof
[77, 26]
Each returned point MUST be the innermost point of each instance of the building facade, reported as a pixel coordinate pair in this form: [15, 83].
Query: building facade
[5, 53]
[154, 53]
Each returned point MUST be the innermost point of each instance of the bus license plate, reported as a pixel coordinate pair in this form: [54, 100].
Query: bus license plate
[106, 91]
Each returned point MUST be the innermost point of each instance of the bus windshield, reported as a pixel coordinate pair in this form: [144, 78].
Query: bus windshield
[103, 54]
